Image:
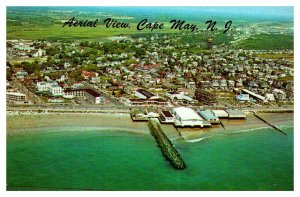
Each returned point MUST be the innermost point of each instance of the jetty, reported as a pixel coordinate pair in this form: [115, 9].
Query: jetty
[273, 126]
[222, 125]
[165, 145]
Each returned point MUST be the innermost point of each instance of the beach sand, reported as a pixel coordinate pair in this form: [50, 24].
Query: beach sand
[27, 123]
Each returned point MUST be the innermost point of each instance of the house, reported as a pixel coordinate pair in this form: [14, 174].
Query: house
[215, 84]
[56, 90]
[205, 84]
[21, 74]
[243, 97]
[77, 85]
[190, 84]
[88, 75]
[279, 94]
[186, 117]
[42, 86]
[39, 53]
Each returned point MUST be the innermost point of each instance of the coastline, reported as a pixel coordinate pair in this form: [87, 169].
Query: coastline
[28, 123]
[24, 123]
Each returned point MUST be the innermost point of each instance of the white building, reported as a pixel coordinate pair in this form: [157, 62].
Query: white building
[270, 97]
[186, 117]
[15, 96]
[144, 94]
[220, 113]
[178, 96]
[50, 86]
[56, 90]
[42, 86]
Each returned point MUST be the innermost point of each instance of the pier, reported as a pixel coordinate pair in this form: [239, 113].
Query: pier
[165, 145]
[273, 126]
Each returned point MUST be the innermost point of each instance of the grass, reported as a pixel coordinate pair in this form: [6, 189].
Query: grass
[268, 42]
[57, 32]
[275, 56]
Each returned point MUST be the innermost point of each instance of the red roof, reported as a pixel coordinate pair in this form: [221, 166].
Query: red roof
[147, 66]
[88, 74]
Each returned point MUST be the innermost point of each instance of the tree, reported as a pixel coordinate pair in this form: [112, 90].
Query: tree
[8, 74]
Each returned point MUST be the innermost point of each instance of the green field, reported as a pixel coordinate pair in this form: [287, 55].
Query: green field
[46, 24]
[275, 56]
[57, 32]
[268, 42]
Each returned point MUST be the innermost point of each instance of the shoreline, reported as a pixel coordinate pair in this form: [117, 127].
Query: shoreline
[25, 123]
[29, 123]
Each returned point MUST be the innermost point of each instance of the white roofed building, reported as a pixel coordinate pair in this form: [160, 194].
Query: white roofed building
[220, 113]
[56, 90]
[186, 117]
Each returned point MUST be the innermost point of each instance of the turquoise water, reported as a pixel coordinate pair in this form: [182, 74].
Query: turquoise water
[115, 160]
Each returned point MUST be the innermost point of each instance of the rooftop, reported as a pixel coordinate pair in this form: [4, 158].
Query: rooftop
[235, 112]
[186, 113]
[167, 113]
[207, 114]
[145, 93]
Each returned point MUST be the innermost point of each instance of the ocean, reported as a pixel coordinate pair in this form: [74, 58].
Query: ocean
[92, 159]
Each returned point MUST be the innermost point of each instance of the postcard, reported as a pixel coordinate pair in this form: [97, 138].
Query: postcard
[152, 98]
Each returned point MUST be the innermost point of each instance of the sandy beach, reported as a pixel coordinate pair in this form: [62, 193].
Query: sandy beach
[24, 123]
[27, 123]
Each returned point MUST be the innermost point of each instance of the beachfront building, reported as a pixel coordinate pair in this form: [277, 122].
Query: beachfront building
[186, 117]
[143, 115]
[93, 96]
[236, 114]
[166, 116]
[146, 98]
[147, 102]
[220, 113]
[243, 97]
[56, 90]
[89, 94]
[15, 97]
[42, 86]
[144, 94]
[179, 96]
[209, 116]
[139, 115]
[254, 95]
[51, 87]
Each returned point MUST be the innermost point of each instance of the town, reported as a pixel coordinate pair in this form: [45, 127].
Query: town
[155, 71]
